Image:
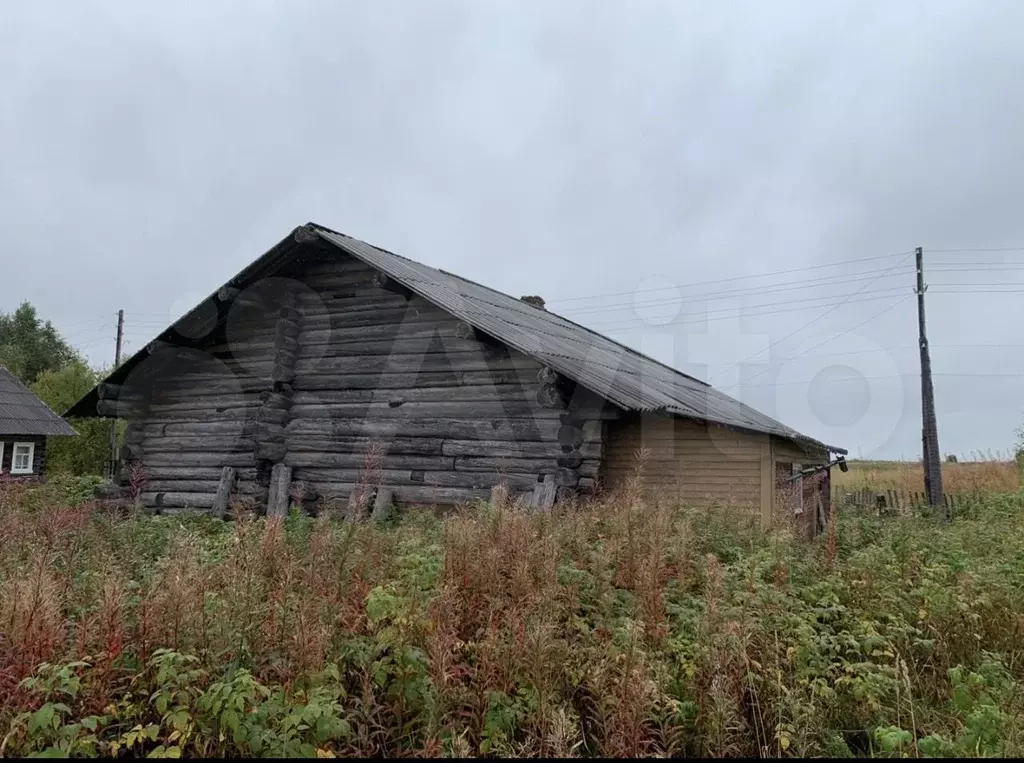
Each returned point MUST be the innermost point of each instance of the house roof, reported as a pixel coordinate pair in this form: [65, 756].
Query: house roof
[22, 413]
[627, 378]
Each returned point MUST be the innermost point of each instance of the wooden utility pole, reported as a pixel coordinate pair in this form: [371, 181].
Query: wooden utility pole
[117, 362]
[929, 426]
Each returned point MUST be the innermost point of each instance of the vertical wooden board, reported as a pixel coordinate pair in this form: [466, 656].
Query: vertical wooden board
[280, 484]
[544, 493]
[223, 497]
[767, 482]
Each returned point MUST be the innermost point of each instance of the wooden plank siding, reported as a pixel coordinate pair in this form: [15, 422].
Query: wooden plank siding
[686, 460]
[699, 464]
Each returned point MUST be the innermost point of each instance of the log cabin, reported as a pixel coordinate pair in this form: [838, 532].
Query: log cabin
[25, 423]
[333, 368]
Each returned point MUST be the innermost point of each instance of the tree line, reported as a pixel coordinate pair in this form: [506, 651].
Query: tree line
[34, 351]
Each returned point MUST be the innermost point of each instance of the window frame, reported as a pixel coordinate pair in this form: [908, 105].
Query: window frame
[31, 458]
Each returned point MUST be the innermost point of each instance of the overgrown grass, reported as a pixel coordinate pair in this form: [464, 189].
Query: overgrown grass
[978, 477]
[626, 627]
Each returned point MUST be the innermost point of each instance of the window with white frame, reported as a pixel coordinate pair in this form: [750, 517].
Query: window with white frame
[22, 456]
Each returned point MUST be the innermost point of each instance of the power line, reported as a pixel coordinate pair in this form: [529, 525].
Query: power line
[846, 380]
[972, 250]
[735, 278]
[881, 312]
[833, 309]
[734, 313]
[744, 292]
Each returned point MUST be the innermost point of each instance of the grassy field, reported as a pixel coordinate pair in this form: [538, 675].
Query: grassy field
[985, 475]
[630, 628]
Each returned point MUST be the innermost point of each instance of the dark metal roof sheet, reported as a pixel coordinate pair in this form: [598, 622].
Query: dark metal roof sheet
[622, 375]
[22, 413]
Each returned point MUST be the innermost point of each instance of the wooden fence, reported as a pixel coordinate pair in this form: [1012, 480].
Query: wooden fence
[892, 501]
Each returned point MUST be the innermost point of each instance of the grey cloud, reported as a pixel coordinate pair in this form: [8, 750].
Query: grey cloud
[564, 149]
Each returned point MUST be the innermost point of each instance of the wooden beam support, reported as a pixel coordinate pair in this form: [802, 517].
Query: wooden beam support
[223, 497]
[544, 494]
[280, 486]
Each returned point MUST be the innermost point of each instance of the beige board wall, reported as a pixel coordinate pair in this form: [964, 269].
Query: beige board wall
[686, 460]
[697, 463]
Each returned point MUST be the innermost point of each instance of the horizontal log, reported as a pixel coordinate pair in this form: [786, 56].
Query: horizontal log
[193, 486]
[199, 459]
[411, 495]
[319, 443]
[505, 449]
[108, 391]
[435, 355]
[348, 297]
[201, 410]
[501, 464]
[194, 472]
[209, 384]
[391, 332]
[210, 444]
[411, 313]
[531, 430]
[400, 477]
[404, 380]
[120, 409]
[391, 461]
[475, 393]
[409, 363]
[199, 400]
[160, 500]
[200, 428]
[586, 484]
[336, 269]
[490, 411]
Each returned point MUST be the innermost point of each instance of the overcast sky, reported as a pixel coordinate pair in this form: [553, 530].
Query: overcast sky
[610, 157]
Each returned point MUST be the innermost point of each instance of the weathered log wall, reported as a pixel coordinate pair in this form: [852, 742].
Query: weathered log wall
[341, 378]
[392, 391]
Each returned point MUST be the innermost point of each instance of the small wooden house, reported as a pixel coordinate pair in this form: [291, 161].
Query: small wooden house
[25, 423]
[329, 363]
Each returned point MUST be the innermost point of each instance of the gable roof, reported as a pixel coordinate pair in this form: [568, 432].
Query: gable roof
[22, 413]
[627, 378]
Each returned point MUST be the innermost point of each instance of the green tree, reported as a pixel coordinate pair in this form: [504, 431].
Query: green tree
[60, 389]
[30, 346]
